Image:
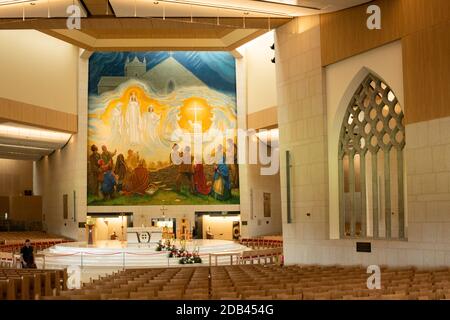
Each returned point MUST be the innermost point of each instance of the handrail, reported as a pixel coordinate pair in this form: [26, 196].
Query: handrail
[225, 254]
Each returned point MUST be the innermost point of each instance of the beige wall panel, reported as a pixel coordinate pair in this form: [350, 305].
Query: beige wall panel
[421, 14]
[15, 177]
[26, 208]
[27, 114]
[345, 33]
[38, 70]
[267, 118]
[4, 206]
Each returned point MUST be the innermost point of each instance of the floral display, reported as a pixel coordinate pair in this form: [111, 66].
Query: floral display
[165, 246]
[185, 256]
[190, 258]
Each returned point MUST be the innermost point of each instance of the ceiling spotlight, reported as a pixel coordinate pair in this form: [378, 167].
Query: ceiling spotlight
[155, 2]
[272, 47]
[273, 60]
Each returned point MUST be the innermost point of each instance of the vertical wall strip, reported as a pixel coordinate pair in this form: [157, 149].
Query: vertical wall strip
[387, 192]
[375, 200]
[363, 212]
[288, 184]
[352, 189]
[401, 199]
[74, 206]
[341, 198]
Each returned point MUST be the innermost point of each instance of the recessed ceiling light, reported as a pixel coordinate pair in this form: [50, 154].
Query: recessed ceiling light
[26, 132]
[16, 146]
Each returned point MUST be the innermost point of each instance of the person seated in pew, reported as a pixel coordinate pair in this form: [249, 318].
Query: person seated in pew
[27, 256]
[114, 236]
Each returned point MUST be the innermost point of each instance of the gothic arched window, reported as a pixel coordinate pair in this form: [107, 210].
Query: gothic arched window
[371, 170]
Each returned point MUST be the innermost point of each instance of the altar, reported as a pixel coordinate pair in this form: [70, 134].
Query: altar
[144, 235]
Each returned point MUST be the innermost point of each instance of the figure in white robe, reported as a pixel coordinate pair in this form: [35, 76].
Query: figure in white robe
[116, 124]
[150, 130]
[133, 120]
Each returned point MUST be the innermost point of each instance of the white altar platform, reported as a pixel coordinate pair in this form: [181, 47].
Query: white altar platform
[114, 253]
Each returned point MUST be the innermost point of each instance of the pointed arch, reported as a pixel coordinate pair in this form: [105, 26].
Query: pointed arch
[372, 136]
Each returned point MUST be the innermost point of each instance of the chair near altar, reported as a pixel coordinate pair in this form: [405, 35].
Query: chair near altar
[184, 232]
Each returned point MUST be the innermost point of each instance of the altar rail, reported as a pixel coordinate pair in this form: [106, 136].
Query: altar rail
[261, 256]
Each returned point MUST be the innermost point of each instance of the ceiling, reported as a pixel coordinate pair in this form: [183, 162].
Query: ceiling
[109, 25]
[29, 143]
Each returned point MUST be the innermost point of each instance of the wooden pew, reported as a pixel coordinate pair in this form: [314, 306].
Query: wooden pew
[25, 287]
[10, 290]
[47, 284]
[37, 286]
[3, 289]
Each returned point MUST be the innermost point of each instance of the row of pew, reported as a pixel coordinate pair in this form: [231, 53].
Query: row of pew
[261, 243]
[263, 282]
[38, 245]
[18, 237]
[31, 284]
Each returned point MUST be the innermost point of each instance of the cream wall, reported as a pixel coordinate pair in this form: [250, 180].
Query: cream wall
[259, 184]
[427, 156]
[252, 184]
[260, 82]
[15, 177]
[38, 69]
[342, 80]
[65, 171]
[302, 123]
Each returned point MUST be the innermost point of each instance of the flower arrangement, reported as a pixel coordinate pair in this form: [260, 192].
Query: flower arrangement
[166, 246]
[185, 256]
[177, 253]
[190, 258]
